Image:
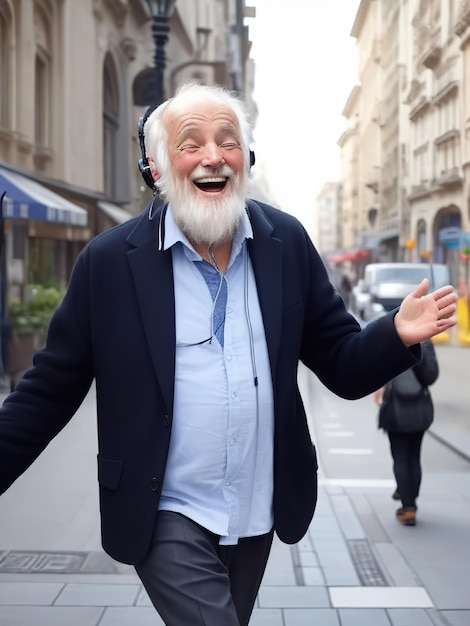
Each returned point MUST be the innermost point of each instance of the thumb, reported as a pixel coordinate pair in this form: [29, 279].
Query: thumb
[422, 289]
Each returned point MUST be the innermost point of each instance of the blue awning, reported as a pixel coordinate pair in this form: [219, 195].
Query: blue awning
[27, 199]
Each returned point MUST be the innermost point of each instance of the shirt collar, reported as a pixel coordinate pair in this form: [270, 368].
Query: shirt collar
[174, 235]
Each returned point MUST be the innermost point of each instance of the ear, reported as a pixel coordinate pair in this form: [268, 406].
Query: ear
[153, 170]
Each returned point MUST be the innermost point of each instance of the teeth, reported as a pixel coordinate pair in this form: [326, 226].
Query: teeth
[211, 179]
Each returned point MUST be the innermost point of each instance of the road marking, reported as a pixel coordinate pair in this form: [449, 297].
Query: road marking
[380, 597]
[381, 483]
[352, 451]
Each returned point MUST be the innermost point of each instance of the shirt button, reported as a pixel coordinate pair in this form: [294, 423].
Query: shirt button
[228, 357]
[154, 484]
[234, 395]
[227, 484]
[232, 442]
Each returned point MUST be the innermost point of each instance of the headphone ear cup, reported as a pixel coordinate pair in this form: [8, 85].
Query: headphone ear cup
[252, 158]
[144, 166]
[144, 169]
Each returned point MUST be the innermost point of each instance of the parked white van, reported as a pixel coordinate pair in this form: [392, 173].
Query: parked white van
[386, 284]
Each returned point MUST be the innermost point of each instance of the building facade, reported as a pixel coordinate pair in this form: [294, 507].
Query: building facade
[408, 131]
[73, 78]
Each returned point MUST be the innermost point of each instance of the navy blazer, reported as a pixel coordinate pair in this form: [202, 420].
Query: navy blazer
[116, 325]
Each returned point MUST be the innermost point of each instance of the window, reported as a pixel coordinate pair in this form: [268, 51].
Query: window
[110, 126]
[41, 126]
[421, 228]
[4, 68]
[20, 236]
[42, 79]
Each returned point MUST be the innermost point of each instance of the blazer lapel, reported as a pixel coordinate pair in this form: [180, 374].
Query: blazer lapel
[152, 271]
[266, 257]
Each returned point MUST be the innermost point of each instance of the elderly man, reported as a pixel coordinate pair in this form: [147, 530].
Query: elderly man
[193, 318]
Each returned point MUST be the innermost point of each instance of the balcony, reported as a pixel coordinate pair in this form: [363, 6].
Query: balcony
[432, 51]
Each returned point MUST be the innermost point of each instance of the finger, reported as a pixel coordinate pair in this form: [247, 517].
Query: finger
[444, 291]
[447, 311]
[446, 323]
[448, 300]
[421, 289]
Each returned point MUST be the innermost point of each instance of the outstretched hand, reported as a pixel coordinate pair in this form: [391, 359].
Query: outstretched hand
[423, 315]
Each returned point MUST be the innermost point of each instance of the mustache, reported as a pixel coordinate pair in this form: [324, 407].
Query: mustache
[222, 170]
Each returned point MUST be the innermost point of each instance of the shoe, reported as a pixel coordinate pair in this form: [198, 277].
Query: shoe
[396, 495]
[407, 515]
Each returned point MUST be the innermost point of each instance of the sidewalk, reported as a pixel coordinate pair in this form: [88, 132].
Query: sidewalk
[347, 571]
[356, 566]
[452, 416]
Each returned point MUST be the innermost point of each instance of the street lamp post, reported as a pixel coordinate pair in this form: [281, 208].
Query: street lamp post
[3, 313]
[161, 11]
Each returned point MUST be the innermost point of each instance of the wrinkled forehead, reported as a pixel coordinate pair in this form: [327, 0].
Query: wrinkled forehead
[197, 110]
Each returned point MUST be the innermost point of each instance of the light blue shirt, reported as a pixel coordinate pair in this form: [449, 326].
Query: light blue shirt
[219, 471]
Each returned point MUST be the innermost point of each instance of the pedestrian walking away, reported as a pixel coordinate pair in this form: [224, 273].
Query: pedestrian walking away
[192, 319]
[406, 411]
[345, 289]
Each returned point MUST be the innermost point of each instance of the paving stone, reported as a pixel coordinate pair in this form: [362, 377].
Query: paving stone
[287, 597]
[333, 553]
[51, 616]
[313, 576]
[143, 598]
[131, 616]
[347, 518]
[395, 565]
[364, 617]
[372, 527]
[267, 617]
[380, 597]
[324, 528]
[456, 618]
[29, 593]
[302, 617]
[280, 569]
[308, 559]
[403, 617]
[341, 574]
[98, 595]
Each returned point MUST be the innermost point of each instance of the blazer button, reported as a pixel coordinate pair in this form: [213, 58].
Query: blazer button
[154, 484]
[166, 421]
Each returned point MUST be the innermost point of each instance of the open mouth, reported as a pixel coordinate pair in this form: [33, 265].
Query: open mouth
[211, 184]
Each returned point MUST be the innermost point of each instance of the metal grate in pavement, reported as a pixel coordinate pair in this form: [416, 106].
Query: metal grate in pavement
[298, 573]
[30, 561]
[366, 565]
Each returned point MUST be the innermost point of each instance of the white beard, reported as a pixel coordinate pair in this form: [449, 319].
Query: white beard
[208, 220]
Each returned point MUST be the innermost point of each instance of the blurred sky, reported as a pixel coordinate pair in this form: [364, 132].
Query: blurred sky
[305, 69]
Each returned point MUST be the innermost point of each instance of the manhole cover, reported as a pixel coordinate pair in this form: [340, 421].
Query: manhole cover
[25, 561]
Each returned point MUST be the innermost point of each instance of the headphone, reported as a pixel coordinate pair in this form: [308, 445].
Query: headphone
[144, 165]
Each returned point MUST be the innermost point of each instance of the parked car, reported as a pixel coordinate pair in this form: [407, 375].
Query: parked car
[386, 284]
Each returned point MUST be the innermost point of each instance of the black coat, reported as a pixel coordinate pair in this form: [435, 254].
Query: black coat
[116, 324]
[404, 413]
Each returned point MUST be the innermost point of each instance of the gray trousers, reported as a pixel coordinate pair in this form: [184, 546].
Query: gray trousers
[193, 581]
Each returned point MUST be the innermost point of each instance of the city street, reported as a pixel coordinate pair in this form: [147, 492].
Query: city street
[357, 566]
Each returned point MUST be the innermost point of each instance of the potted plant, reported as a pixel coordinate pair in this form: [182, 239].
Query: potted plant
[28, 323]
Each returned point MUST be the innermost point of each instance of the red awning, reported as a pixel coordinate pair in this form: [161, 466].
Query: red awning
[348, 255]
